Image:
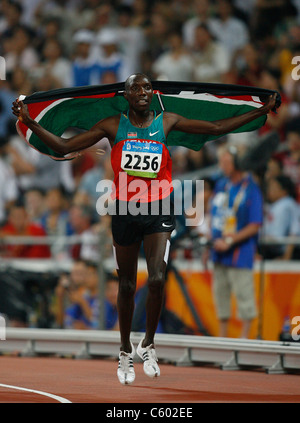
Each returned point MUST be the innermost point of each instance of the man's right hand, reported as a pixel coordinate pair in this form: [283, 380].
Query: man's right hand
[20, 110]
[270, 104]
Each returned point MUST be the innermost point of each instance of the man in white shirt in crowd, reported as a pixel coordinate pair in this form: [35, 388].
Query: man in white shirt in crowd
[8, 183]
[282, 217]
[229, 30]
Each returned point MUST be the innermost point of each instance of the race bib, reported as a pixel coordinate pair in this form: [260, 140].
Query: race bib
[141, 158]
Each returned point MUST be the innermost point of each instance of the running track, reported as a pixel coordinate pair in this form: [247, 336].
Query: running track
[95, 381]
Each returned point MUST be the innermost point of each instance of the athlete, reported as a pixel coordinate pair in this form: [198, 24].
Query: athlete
[139, 156]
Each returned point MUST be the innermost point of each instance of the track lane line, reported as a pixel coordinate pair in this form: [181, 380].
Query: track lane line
[45, 394]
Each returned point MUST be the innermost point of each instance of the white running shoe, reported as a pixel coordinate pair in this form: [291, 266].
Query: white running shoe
[125, 370]
[148, 355]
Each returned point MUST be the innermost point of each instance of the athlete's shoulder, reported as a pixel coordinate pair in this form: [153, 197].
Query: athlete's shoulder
[110, 121]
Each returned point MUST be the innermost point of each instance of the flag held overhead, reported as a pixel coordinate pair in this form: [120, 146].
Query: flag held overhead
[82, 107]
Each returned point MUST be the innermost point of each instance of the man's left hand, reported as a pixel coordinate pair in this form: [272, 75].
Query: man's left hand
[220, 245]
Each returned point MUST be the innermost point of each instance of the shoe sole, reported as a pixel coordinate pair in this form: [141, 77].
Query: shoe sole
[126, 382]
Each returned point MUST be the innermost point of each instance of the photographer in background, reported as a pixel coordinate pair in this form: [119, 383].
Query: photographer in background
[68, 286]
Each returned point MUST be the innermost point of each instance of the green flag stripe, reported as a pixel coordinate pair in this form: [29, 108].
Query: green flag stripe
[83, 113]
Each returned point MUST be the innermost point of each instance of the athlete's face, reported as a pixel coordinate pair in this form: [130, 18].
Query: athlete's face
[139, 93]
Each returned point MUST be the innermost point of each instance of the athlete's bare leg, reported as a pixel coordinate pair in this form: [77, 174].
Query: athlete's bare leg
[127, 260]
[155, 248]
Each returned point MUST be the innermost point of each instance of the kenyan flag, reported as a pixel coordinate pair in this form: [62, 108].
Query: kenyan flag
[83, 107]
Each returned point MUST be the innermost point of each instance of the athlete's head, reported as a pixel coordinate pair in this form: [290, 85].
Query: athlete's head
[138, 91]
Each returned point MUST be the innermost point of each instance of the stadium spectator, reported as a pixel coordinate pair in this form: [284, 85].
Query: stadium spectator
[18, 224]
[140, 13]
[88, 14]
[236, 217]
[156, 33]
[244, 9]
[111, 59]
[47, 173]
[270, 79]
[67, 284]
[83, 313]
[274, 168]
[77, 299]
[203, 226]
[81, 219]
[11, 17]
[289, 45]
[64, 10]
[34, 200]
[268, 15]
[111, 297]
[210, 56]
[20, 82]
[249, 66]
[229, 30]
[82, 164]
[50, 30]
[21, 52]
[86, 192]
[131, 38]
[282, 217]
[291, 160]
[201, 15]
[290, 69]
[6, 95]
[176, 64]
[20, 162]
[8, 183]
[55, 66]
[104, 17]
[84, 63]
[55, 221]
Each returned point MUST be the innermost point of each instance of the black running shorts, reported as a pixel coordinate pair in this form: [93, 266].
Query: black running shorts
[128, 228]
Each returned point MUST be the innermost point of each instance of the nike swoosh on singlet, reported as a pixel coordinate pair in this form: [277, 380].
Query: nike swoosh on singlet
[165, 225]
[151, 134]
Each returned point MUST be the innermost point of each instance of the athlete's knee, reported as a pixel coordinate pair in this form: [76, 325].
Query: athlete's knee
[156, 281]
[127, 286]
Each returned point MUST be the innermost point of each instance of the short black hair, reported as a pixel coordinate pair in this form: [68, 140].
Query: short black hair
[293, 126]
[91, 263]
[287, 185]
[135, 75]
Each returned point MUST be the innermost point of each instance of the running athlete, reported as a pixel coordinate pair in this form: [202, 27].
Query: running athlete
[139, 152]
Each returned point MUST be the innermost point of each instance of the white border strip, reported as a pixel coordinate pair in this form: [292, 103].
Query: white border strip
[44, 111]
[45, 394]
[209, 97]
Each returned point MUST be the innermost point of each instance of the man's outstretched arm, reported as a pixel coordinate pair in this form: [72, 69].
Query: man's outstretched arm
[218, 127]
[58, 144]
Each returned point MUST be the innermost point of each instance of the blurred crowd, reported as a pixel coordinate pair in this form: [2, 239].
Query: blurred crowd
[49, 44]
